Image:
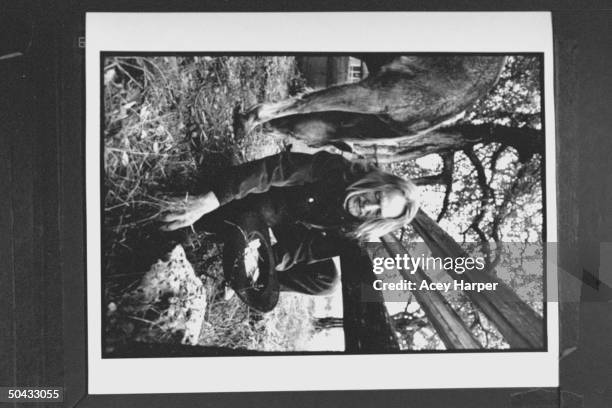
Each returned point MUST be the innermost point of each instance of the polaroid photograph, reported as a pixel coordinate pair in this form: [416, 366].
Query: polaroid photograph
[340, 201]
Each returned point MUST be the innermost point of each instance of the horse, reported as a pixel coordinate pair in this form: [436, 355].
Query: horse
[402, 96]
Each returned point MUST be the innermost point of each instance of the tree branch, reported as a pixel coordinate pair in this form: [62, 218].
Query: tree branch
[485, 200]
[432, 180]
[447, 172]
[487, 191]
[518, 184]
[495, 157]
[527, 141]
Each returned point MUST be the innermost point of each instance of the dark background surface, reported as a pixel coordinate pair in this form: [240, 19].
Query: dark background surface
[42, 247]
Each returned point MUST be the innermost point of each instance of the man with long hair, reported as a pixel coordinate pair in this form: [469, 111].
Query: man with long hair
[310, 203]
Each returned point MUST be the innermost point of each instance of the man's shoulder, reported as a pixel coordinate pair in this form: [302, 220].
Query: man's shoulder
[324, 158]
[353, 169]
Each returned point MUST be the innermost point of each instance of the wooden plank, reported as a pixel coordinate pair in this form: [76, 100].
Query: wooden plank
[32, 283]
[9, 71]
[337, 70]
[569, 179]
[71, 214]
[447, 323]
[584, 201]
[26, 231]
[367, 328]
[520, 325]
[314, 70]
[46, 183]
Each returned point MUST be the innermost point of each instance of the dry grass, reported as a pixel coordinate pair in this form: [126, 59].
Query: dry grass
[232, 324]
[167, 124]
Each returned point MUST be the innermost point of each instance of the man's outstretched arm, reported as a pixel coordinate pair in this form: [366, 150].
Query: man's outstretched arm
[280, 170]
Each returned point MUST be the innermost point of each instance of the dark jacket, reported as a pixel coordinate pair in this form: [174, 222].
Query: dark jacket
[300, 197]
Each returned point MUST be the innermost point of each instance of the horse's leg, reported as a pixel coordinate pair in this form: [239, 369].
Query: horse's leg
[355, 98]
[322, 128]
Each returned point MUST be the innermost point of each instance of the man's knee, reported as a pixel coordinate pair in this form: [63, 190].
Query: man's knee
[318, 278]
[327, 277]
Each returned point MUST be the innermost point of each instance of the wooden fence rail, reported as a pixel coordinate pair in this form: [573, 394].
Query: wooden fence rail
[520, 325]
[367, 326]
[447, 323]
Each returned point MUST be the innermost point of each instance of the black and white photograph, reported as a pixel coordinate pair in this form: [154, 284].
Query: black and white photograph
[306, 204]
[298, 204]
[238, 189]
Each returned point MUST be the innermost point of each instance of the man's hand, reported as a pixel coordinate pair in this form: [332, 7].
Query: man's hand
[183, 212]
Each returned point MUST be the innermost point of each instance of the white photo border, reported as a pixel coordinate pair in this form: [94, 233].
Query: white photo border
[408, 32]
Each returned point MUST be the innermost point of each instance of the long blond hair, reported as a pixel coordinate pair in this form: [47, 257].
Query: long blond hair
[378, 181]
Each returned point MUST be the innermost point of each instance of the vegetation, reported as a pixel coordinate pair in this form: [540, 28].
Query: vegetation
[168, 123]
